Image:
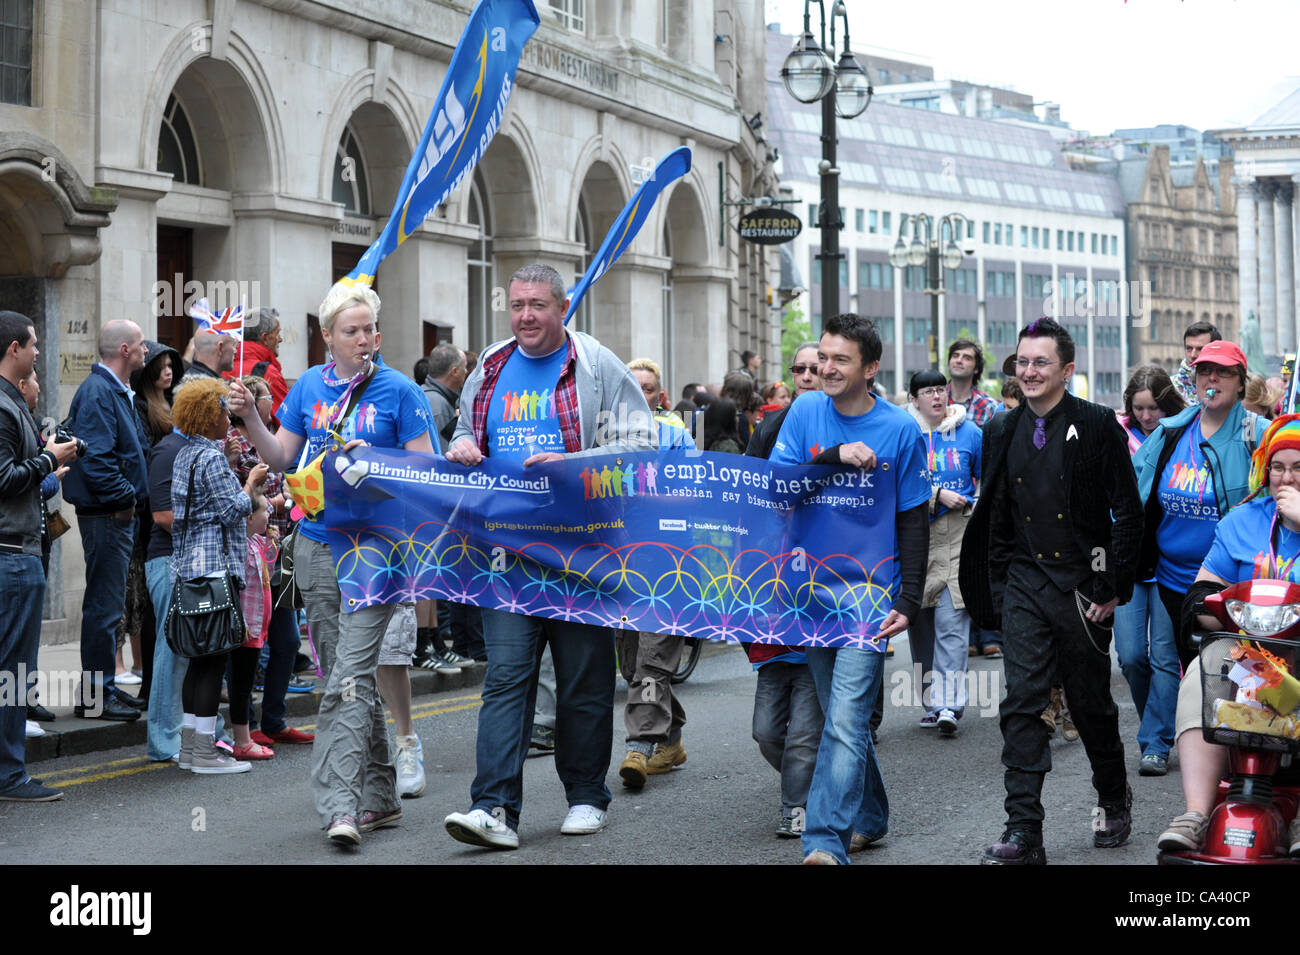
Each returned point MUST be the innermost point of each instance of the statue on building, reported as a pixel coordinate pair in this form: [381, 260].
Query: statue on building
[1252, 343]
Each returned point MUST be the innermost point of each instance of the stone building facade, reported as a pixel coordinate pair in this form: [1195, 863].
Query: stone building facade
[251, 149]
[1182, 242]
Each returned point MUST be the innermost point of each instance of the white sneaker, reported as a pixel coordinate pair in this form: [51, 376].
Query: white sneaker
[33, 729]
[126, 679]
[479, 827]
[947, 723]
[410, 766]
[583, 820]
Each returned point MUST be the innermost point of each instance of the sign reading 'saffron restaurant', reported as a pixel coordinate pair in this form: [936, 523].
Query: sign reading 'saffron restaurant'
[577, 70]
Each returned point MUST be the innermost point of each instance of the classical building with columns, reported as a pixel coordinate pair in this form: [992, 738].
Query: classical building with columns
[1267, 168]
[251, 149]
[1182, 235]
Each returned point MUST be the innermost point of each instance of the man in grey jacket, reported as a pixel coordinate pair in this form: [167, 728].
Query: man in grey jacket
[544, 394]
[446, 377]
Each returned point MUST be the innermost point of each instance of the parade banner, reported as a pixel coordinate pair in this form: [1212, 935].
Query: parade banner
[466, 115]
[708, 545]
[671, 168]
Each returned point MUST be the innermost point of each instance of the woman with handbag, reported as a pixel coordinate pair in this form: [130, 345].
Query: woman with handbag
[282, 639]
[209, 519]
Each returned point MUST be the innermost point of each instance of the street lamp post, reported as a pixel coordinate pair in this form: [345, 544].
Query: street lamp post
[928, 253]
[844, 90]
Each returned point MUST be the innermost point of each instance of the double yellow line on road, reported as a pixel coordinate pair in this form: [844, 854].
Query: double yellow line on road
[117, 768]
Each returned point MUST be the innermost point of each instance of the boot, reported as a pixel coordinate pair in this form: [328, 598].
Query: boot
[208, 760]
[1053, 711]
[187, 748]
[1069, 732]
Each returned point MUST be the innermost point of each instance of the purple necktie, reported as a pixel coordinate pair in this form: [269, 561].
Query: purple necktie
[1040, 436]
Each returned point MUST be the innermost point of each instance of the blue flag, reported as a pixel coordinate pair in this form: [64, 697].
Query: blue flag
[671, 168]
[465, 117]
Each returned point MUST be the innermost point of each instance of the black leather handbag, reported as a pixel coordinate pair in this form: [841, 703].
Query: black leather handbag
[205, 618]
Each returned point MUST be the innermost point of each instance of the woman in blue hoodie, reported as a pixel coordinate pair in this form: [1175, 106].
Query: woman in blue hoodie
[1192, 470]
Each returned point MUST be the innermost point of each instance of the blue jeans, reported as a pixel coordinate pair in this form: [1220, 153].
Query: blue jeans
[584, 712]
[1148, 655]
[164, 718]
[107, 543]
[848, 792]
[788, 725]
[22, 592]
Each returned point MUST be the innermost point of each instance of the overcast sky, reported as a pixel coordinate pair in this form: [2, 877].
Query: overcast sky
[1109, 64]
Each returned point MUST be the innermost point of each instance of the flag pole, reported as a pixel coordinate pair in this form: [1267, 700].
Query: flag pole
[243, 317]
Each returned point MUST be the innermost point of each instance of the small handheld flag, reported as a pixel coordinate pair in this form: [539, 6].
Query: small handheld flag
[229, 323]
[671, 168]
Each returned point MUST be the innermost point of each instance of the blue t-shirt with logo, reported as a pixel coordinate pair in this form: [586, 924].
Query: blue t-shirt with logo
[521, 420]
[954, 459]
[1241, 546]
[391, 412]
[1190, 512]
[812, 424]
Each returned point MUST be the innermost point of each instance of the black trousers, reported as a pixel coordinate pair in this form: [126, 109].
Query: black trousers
[1045, 639]
[1173, 602]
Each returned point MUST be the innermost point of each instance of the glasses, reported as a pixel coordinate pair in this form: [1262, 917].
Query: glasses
[805, 369]
[1038, 364]
[1204, 371]
[931, 392]
[1277, 469]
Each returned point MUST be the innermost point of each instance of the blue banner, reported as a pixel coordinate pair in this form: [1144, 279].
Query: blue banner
[465, 117]
[709, 545]
[671, 168]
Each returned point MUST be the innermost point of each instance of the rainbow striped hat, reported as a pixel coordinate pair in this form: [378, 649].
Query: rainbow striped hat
[1282, 434]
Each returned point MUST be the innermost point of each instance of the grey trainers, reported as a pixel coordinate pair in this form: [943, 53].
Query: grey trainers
[1185, 834]
[210, 761]
[187, 747]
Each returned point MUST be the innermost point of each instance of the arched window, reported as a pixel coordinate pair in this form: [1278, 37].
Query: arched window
[178, 153]
[582, 235]
[480, 268]
[350, 185]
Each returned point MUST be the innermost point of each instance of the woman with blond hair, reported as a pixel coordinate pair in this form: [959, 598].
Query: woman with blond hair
[364, 402]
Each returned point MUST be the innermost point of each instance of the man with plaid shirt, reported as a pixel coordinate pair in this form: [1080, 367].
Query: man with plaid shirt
[965, 368]
[543, 395]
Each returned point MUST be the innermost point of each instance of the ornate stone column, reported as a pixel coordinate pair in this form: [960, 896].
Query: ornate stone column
[1283, 203]
[1247, 265]
[1267, 269]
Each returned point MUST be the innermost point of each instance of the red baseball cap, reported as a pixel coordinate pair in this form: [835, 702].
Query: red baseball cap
[1223, 353]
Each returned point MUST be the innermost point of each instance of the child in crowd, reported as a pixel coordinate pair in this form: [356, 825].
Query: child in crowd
[256, 603]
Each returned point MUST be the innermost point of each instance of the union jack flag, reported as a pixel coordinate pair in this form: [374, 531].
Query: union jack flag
[230, 322]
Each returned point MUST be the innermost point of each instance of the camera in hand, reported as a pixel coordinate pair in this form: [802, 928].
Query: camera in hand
[63, 435]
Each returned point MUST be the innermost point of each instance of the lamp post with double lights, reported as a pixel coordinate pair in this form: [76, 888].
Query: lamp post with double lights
[927, 252]
[845, 90]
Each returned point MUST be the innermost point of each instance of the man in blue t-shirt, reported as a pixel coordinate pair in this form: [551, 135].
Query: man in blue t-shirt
[846, 424]
[365, 402]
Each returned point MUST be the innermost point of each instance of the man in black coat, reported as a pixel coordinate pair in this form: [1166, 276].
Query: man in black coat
[1049, 553]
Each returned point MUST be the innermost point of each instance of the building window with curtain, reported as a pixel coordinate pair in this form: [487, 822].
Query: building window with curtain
[571, 14]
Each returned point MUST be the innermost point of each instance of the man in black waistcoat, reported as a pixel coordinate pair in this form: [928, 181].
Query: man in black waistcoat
[1060, 522]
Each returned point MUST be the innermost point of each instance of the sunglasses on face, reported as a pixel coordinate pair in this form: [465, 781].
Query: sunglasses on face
[805, 369]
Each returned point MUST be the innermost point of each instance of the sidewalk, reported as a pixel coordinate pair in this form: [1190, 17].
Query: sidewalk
[70, 736]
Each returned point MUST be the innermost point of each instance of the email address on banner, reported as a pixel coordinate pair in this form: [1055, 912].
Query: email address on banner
[555, 528]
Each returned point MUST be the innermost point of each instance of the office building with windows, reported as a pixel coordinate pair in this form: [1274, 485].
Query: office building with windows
[1035, 227]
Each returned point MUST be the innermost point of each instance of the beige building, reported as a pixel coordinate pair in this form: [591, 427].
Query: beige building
[250, 150]
[1182, 242]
